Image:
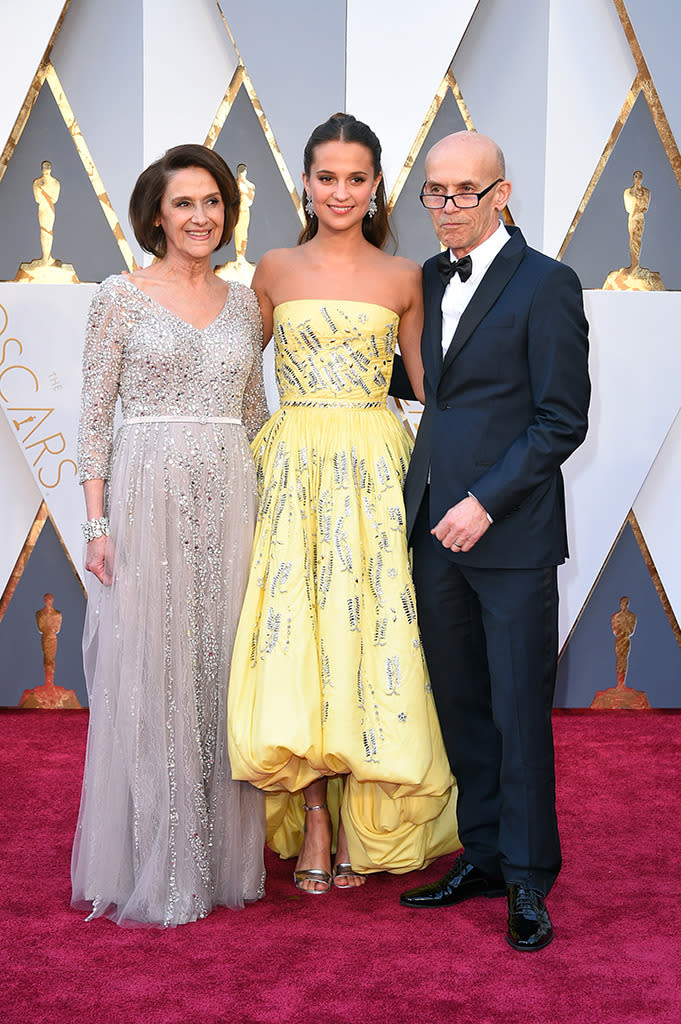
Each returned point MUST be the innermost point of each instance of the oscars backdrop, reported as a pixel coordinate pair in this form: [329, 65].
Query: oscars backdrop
[584, 97]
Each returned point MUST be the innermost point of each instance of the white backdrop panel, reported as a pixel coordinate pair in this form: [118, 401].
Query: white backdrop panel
[585, 97]
[635, 371]
[41, 393]
[189, 61]
[21, 497]
[25, 38]
[397, 56]
[658, 510]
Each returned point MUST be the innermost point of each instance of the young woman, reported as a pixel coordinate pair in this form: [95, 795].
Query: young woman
[328, 677]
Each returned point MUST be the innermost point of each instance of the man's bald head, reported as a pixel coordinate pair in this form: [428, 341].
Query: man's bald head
[481, 145]
[466, 163]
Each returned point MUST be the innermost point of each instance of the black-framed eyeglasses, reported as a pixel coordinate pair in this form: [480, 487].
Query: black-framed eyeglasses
[464, 200]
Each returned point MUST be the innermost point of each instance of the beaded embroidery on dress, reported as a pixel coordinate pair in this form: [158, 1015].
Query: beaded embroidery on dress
[163, 833]
[328, 673]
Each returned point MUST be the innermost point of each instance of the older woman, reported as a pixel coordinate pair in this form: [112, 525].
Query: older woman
[163, 833]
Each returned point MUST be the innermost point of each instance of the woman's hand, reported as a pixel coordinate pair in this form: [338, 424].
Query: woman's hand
[98, 559]
[99, 551]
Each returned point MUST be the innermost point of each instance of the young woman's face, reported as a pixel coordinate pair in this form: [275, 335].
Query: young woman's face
[341, 183]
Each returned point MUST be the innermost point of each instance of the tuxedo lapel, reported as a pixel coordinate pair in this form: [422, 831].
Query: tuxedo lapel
[431, 351]
[500, 272]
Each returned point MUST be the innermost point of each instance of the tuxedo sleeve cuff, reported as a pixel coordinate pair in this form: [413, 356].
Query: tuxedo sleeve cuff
[489, 518]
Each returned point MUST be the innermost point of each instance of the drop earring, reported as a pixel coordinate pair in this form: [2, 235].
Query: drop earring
[309, 205]
[371, 210]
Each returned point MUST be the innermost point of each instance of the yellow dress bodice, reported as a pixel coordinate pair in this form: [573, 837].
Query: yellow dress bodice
[334, 352]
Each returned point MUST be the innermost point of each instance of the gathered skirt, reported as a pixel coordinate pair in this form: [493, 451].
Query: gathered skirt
[328, 673]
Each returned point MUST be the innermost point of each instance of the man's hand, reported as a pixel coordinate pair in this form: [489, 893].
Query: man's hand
[462, 526]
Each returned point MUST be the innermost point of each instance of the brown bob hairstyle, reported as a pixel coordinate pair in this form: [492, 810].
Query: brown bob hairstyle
[145, 201]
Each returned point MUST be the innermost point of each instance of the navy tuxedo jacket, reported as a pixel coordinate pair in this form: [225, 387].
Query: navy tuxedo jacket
[506, 406]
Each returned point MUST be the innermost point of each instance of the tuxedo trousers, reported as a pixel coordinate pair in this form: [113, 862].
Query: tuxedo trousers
[490, 638]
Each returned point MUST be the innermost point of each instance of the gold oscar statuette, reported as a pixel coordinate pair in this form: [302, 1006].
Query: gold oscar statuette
[46, 270]
[240, 269]
[48, 620]
[635, 277]
[623, 624]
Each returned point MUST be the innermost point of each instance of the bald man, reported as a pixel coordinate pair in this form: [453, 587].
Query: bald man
[504, 348]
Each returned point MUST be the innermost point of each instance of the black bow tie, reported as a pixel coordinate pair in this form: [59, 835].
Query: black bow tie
[448, 267]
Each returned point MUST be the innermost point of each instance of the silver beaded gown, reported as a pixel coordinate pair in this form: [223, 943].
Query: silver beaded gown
[163, 832]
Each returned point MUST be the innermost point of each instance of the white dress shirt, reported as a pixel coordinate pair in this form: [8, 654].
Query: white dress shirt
[459, 293]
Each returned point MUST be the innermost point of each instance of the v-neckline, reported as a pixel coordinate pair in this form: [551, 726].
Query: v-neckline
[187, 323]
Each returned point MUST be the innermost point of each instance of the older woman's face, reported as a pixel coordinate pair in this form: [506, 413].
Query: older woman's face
[192, 213]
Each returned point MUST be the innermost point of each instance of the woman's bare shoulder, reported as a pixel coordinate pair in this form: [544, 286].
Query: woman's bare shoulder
[276, 259]
[401, 276]
[401, 265]
[396, 266]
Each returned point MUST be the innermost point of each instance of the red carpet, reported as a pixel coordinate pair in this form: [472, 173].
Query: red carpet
[357, 958]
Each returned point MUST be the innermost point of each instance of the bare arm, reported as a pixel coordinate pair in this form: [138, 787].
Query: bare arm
[411, 326]
[261, 287]
[93, 491]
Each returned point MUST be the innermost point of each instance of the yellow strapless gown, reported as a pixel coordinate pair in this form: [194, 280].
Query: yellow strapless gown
[328, 674]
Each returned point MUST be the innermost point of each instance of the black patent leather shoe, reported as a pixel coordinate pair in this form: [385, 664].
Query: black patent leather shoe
[529, 924]
[462, 882]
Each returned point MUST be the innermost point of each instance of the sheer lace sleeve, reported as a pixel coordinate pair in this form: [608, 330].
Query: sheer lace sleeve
[102, 359]
[254, 409]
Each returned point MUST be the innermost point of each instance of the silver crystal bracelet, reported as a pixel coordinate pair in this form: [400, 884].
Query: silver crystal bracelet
[96, 528]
